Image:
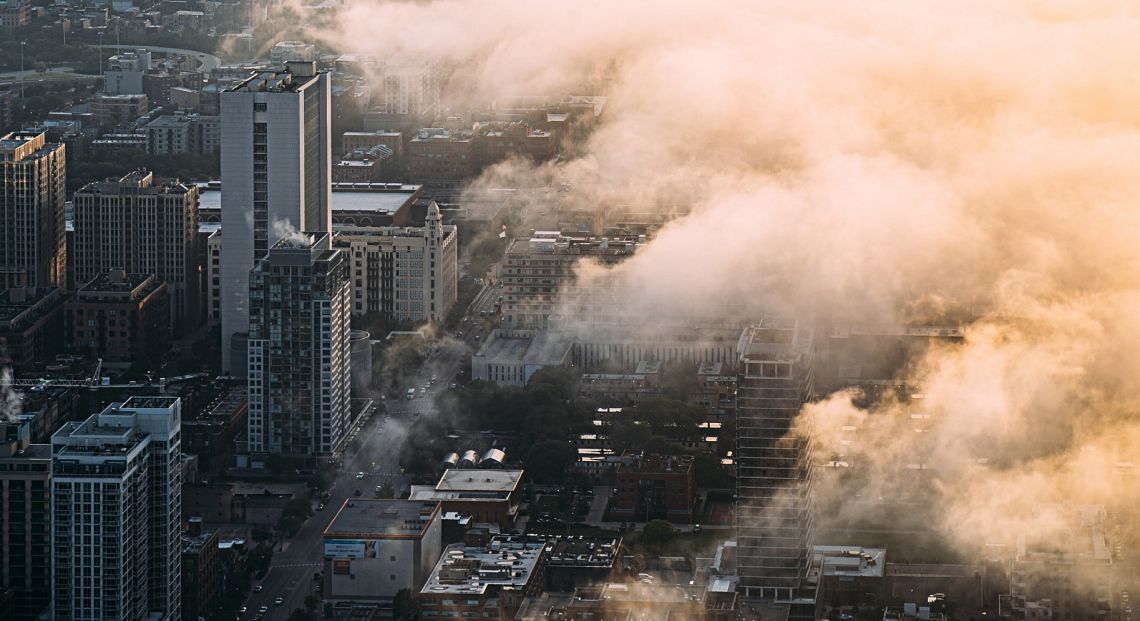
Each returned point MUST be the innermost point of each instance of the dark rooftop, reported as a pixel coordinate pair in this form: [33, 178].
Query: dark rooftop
[363, 518]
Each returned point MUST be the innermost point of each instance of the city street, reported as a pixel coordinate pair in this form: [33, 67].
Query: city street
[291, 573]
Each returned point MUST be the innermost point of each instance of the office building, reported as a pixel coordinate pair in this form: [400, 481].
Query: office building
[276, 171]
[375, 548]
[120, 317]
[538, 269]
[124, 73]
[774, 512]
[403, 273]
[25, 522]
[286, 51]
[116, 513]
[118, 109]
[574, 561]
[491, 496]
[485, 581]
[144, 227]
[33, 248]
[410, 90]
[183, 133]
[299, 368]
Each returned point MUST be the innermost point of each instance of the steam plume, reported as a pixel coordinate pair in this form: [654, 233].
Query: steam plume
[857, 161]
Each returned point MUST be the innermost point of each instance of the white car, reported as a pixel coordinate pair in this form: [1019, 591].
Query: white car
[263, 609]
[359, 475]
[279, 601]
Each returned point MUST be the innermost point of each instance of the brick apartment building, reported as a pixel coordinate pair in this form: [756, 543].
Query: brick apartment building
[655, 487]
[120, 317]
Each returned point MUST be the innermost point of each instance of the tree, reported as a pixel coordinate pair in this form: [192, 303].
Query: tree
[259, 560]
[629, 434]
[661, 445]
[656, 534]
[386, 491]
[328, 610]
[403, 606]
[707, 472]
[261, 532]
[288, 525]
[547, 461]
[318, 481]
[277, 465]
[297, 507]
[311, 602]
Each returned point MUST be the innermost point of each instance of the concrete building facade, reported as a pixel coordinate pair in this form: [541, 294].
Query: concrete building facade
[404, 273]
[119, 467]
[276, 174]
[183, 133]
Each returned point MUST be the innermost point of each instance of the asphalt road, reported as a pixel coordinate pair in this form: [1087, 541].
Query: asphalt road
[206, 61]
[291, 572]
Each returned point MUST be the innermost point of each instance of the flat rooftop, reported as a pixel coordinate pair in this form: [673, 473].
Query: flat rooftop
[346, 197]
[456, 480]
[14, 303]
[850, 561]
[579, 551]
[775, 339]
[381, 518]
[281, 81]
[133, 403]
[505, 562]
[108, 282]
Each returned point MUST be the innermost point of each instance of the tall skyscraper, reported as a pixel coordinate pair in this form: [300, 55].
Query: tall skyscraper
[774, 513]
[299, 369]
[25, 521]
[276, 176]
[117, 513]
[136, 225]
[33, 245]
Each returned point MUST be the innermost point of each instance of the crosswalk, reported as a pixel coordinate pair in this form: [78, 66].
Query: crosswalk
[284, 565]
